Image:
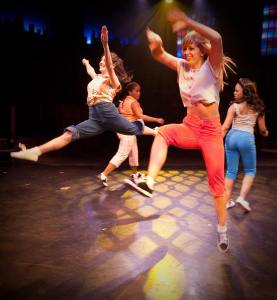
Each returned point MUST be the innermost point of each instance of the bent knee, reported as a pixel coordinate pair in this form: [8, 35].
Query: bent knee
[67, 136]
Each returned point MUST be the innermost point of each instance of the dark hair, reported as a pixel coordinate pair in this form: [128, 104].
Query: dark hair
[251, 96]
[130, 86]
[123, 76]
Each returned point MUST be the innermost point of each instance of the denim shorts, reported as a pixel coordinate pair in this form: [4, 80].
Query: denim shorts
[104, 116]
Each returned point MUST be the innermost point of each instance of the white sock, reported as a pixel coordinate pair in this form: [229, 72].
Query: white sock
[221, 229]
[150, 181]
[103, 176]
[28, 154]
[37, 151]
[240, 199]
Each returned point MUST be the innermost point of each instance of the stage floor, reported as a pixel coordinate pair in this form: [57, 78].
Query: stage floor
[64, 236]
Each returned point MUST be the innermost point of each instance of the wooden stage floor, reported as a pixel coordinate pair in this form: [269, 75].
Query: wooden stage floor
[64, 236]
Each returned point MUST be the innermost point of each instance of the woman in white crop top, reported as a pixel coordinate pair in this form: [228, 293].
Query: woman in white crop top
[200, 78]
[246, 111]
[103, 115]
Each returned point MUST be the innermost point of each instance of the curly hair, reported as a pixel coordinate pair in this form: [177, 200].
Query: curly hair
[251, 96]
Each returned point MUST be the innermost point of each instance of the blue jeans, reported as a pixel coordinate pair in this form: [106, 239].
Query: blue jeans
[240, 144]
[104, 116]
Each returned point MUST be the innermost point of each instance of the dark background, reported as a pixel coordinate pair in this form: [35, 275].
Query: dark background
[43, 79]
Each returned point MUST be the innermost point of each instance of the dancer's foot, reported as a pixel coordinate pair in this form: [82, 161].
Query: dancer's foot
[222, 239]
[28, 154]
[245, 204]
[230, 204]
[142, 185]
[134, 179]
[103, 179]
[223, 242]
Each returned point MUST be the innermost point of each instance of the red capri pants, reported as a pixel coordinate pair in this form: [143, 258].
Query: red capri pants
[203, 134]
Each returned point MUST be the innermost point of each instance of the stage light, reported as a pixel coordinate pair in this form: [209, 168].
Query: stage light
[91, 33]
[269, 30]
[88, 40]
[35, 25]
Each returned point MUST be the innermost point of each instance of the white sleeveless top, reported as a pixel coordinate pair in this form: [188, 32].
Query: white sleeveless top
[199, 85]
[244, 122]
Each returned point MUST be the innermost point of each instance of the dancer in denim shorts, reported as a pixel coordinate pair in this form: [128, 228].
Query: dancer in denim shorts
[103, 115]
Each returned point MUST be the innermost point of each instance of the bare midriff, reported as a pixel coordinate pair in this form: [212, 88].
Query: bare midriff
[203, 110]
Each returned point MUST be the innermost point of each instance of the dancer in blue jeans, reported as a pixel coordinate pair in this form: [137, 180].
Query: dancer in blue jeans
[103, 115]
[246, 111]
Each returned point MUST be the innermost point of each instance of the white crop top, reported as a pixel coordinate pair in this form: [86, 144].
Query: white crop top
[244, 122]
[99, 89]
[197, 85]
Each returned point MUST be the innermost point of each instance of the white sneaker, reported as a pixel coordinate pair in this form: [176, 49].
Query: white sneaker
[223, 242]
[103, 179]
[141, 185]
[28, 154]
[230, 204]
[136, 177]
[245, 205]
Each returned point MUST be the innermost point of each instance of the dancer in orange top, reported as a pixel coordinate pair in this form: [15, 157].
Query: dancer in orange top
[130, 108]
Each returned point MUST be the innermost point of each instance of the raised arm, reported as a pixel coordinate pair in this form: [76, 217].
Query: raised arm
[180, 20]
[108, 59]
[228, 120]
[89, 68]
[155, 44]
[261, 125]
[138, 112]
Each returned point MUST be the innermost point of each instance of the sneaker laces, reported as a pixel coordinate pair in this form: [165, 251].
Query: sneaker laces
[138, 175]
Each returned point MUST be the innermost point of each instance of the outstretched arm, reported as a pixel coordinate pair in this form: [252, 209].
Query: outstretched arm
[155, 44]
[228, 120]
[138, 112]
[261, 125]
[180, 20]
[89, 68]
[108, 59]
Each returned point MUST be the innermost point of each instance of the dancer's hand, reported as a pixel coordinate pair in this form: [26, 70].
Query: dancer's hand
[104, 34]
[154, 40]
[160, 121]
[178, 19]
[85, 61]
